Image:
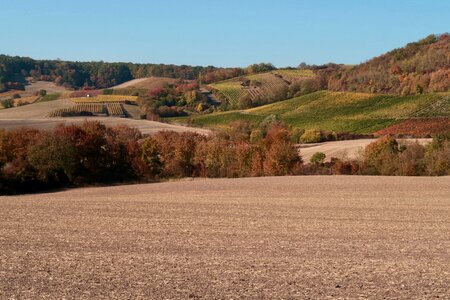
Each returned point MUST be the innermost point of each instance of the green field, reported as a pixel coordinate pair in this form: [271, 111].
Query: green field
[338, 111]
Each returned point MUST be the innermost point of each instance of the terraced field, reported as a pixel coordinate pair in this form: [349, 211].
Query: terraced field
[232, 91]
[314, 237]
[337, 111]
[267, 85]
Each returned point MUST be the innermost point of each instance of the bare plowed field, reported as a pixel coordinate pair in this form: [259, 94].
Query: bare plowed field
[271, 238]
[146, 83]
[350, 149]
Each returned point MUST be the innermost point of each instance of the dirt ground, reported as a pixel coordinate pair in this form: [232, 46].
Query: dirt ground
[260, 238]
[350, 149]
[144, 126]
[146, 83]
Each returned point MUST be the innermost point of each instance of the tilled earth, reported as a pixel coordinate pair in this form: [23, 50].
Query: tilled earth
[287, 237]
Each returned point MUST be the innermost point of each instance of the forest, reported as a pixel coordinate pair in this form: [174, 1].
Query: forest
[99, 75]
[76, 75]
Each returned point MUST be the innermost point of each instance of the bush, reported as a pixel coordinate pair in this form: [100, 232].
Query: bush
[318, 158]
[296, 135]
[410, 161]
[7, 103]
[282, 157]
[380, 157]
[151, 157]
[437, 156]
[340, 167]
[312, 136]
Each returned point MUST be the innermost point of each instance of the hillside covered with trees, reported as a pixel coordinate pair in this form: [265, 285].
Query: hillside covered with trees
[14, 69]
[419, 67]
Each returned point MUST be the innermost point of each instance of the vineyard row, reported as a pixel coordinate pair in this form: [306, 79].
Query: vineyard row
[84, 109]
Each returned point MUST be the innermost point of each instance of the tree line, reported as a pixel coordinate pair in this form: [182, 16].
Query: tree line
[70, 156]
[13, 70]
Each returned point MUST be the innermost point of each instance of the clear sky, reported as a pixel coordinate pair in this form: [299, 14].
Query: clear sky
[220, 33]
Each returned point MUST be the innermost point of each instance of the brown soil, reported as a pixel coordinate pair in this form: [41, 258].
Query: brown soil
[350, 149]
[418, 127]
[147, 83]
[259, 238]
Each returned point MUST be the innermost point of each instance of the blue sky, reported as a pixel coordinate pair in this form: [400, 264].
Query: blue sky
[220, 33]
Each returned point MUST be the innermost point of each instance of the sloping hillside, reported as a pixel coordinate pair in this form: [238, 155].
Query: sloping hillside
[147, 83]
[30, 94]
[419, 67]
[338, 111]
[263, 88]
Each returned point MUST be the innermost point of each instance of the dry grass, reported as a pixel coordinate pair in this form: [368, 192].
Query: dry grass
[34, 111]
[258, 238]
[31, 89]
[50, 87]
[28, 100]
[9, 94]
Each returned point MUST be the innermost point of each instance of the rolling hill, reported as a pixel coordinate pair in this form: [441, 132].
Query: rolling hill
[337, 111]
[30, 94]
[37, 116]
[404, 91]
